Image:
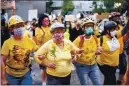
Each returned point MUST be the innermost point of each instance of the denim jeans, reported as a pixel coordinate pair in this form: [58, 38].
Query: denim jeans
[25, 80]
[83, 71]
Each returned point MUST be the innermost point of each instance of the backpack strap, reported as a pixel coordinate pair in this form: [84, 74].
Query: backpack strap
[81, 41]
[96, 40]
[101, 40]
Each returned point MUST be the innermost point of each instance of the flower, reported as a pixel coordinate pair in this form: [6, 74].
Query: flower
[53, 49]
[53, 45]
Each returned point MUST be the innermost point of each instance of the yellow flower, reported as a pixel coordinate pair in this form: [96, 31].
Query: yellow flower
[53, 49]
[53, 45]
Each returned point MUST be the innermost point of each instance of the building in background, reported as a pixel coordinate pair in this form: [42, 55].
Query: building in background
[23, 7]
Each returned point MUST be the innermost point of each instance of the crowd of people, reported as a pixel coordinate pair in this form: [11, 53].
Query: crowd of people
[91, 47]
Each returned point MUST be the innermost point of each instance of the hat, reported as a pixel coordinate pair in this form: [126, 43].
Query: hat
[110, 25]
[14, 20]
[87, 20]
[56, 25]
[114, 14]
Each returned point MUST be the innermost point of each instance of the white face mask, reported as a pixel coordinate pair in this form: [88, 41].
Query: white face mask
[113, 44]
[113, 33]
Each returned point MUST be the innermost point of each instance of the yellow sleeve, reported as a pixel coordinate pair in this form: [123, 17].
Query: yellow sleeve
[5, 48]
[39, 36]
[73, 46]
[98, 39]
[76, 41]
[118, 34]
[43, 50]
[96, 31]
[27, 34]
[35, 47]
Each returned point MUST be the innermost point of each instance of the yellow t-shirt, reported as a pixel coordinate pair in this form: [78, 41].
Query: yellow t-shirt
[26, 34]
[62, 58]
[18, 55]
[108, 57]
[96, 31]
[89, 46]
[42, 35]
[121, 41]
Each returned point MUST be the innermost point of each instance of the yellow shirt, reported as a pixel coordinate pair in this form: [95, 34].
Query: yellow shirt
[89, 46]
[62, 58]
[121, 41]
[108, 57]
[26, 34]
[42, 35]
[18, 55]
[96, 31]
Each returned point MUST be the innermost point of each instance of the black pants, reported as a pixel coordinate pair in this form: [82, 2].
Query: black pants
[53, 80]
[122, 63]
[109, 74]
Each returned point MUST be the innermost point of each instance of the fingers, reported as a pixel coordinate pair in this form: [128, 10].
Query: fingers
[4, 82]
[41, 57]
[79, 51]
[99, 50]
[52, 65]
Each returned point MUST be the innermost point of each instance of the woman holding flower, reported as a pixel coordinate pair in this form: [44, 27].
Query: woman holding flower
[56, 56]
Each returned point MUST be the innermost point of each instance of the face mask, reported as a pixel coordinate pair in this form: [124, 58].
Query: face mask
[113, 33]
[19, 31]
[58, 36]
[89, 31]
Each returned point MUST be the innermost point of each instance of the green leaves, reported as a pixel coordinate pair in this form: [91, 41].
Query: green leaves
[67, 6]
[108, 4]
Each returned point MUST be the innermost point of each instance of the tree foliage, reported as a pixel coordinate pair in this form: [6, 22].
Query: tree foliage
[108, 4]
[67, 6]
[48, 6]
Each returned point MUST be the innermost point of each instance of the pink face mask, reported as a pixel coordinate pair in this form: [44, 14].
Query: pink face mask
[45, 22]
[58, 36]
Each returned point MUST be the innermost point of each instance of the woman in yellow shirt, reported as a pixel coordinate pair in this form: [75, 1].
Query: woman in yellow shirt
[109, 57]
[42, 34]
[86, 64]
[56, 56]
[15, 55]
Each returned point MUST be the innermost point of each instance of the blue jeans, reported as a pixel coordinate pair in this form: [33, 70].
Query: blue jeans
[83, 71]
[25, 80]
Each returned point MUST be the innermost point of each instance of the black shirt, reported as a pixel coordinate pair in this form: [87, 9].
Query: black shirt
[4, 35]
[74, 33]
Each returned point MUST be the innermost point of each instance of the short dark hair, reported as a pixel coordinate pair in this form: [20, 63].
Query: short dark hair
[34, 19]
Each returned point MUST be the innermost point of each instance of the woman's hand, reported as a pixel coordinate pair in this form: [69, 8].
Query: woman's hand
[79, 51]
[4, 82]
[41, 57]
[51, 65]
[99, 50]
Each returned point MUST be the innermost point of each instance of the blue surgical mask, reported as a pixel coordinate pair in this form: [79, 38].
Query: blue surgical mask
[89, 31]
[19, 31]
